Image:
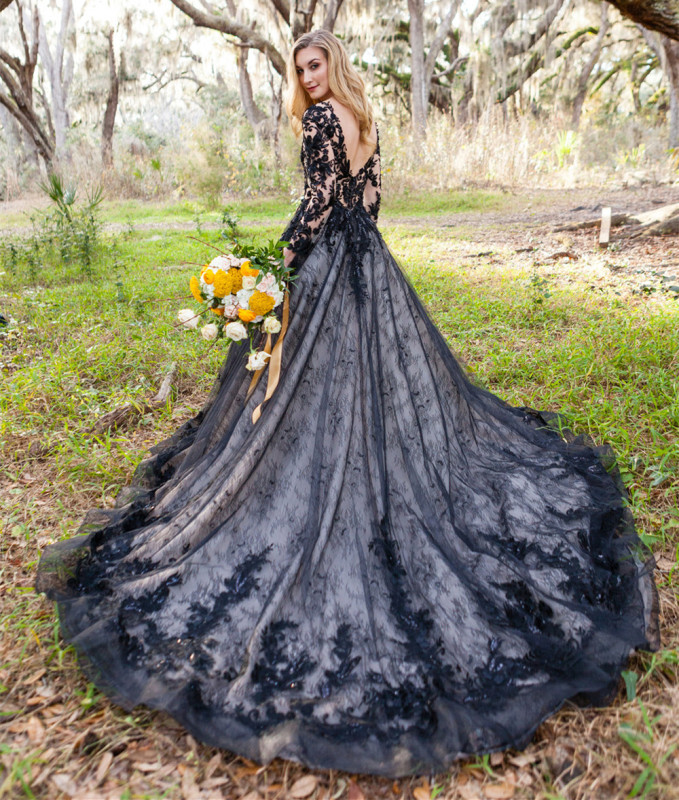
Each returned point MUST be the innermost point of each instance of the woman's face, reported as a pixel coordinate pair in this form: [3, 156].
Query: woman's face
[312, 72]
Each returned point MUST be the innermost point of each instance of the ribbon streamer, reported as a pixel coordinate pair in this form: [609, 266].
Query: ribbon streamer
[274, 362]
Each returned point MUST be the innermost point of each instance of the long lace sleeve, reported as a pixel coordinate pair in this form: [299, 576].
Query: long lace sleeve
[372, 193]
[319, 172]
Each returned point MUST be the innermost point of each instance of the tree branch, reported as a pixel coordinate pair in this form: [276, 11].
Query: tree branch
[202, 19]
[657, 15]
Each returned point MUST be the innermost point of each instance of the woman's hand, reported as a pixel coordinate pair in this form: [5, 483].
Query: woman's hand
[288, 255]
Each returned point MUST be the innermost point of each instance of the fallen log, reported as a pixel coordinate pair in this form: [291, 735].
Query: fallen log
[116, 417]
[657, 222]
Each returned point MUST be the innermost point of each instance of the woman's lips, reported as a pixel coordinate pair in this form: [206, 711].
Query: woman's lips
[312, 89]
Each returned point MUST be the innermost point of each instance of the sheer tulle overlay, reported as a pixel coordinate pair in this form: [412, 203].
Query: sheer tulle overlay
[391, 569]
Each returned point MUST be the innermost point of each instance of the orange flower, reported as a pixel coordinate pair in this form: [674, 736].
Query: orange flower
[218, 311]
[261, 303]
[246, 269]
[246, 315]
[194, 285]
[222, 283]
[208, 276]
[236, 280]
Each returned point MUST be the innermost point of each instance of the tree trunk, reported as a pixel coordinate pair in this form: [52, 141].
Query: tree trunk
[667, 51]
[60, 75]
[436, 45]
[656, 15]
[4, 4]
[111, 107]
[331, 13]
[254, 114]
[671, 50]
[418, 101]
[581, 93]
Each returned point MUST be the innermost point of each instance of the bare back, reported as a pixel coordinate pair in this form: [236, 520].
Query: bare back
[358, 152]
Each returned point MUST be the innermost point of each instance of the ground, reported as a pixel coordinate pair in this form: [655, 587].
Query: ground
[543, 318]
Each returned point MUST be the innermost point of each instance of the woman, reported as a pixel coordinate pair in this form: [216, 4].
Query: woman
[392, 568]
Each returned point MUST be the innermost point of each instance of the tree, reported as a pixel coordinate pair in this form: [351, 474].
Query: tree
[655, 15]
[59, 69]
[4, 4]
[111, 106]
[18, 97]
[586, 72]
[667, 51]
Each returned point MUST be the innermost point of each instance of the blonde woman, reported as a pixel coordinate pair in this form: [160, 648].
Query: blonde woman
[392, 568]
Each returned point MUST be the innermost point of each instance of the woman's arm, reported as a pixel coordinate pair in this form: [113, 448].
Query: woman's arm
[372, 194]
[319, 195]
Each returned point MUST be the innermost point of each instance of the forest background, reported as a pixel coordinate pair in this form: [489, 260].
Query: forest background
[137, 137]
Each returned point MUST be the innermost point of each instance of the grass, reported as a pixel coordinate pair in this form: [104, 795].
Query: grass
[540, 334]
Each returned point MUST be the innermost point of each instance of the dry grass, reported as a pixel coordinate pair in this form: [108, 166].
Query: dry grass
[61, 738]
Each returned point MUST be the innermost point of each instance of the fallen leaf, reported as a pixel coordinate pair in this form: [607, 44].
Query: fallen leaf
[189, 789]
[213, 765]
[64, 783]
[421, 793]
[499, 791]
[35, 730]
[497, 759]
[35, 677]
[252, 796]
[102, 769]
[354, 792]
[213, 783]
[304, 786]
[523, 760]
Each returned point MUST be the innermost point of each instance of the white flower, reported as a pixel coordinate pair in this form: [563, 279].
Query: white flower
[207, 289]
[235, 331]
[249, 282]
[268, 282]
[257, 360]
[278, 297]
[221, 262]
[271, 325]
[244, 297]
[209, 331]
[231, 310]
[188, 318]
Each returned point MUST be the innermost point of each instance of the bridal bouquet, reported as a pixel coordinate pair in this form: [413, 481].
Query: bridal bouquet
[242, 289]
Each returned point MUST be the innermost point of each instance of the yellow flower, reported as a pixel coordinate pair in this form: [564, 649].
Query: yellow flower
[203, 268]
[236, 280]
[246, 269]
[194, 285]
[246, 315]
[261, 303]
[218, 311]
[222, 283]
[208, 276]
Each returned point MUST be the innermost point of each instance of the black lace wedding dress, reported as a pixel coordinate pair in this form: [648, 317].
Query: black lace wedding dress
[391, 569]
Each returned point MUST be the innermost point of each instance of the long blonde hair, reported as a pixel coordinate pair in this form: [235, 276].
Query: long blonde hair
[343, 80]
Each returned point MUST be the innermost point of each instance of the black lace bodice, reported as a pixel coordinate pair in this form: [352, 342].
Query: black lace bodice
[328, 179]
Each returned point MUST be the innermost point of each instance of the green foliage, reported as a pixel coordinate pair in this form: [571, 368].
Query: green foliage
[65, 234]
[641, 741]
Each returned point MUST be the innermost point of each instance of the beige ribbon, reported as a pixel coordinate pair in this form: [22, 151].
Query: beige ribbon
[274, 363]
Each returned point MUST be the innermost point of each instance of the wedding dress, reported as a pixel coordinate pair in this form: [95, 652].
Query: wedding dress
[390, 569]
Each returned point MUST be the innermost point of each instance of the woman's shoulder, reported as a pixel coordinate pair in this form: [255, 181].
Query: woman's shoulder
[319, 114]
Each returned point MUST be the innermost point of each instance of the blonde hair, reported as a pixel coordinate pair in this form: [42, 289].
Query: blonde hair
[344, 82]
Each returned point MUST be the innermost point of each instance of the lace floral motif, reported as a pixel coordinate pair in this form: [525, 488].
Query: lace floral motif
[328, 180]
